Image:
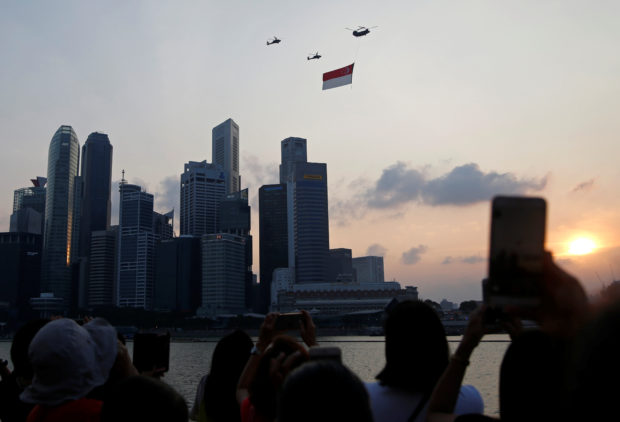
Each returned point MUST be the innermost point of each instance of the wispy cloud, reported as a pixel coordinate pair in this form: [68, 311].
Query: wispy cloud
[473, 259]
[413, 255]
[376, 250]
[167, 194]
[584, 186]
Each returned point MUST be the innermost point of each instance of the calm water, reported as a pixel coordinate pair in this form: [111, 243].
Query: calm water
[363, 355]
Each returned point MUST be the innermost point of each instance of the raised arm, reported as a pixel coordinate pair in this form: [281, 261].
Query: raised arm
[265, 335]
[446, 392]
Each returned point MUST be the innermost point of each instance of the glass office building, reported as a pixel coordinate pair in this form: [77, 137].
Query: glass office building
[62, 168]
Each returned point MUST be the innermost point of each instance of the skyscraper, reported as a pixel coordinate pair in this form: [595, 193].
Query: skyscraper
[293, 151]
[102, 267]
[368, 269]
[202, 189]
[135, 264]
[225, 152]
[97, 183]
[223, 274]
[273, 237]
[62, 167]
[235, 218]
[308, 222]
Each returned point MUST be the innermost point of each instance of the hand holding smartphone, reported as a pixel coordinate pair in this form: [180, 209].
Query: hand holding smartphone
[516, 252]
[289, 321]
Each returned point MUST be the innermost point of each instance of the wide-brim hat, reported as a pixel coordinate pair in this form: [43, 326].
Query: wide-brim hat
[69, 360]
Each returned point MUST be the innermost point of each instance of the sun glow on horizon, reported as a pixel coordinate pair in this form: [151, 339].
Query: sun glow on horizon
[582, 246]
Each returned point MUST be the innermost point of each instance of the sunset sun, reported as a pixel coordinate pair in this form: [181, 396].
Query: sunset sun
[581, 246]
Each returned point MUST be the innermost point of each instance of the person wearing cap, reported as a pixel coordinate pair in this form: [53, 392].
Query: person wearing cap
[68, 362]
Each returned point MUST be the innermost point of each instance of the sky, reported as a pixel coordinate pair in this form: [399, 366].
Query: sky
[451, 104]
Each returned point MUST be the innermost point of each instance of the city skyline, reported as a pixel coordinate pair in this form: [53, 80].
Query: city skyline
[449, 105]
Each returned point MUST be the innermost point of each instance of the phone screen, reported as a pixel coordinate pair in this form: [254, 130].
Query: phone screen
[516, 251]
[288, 321]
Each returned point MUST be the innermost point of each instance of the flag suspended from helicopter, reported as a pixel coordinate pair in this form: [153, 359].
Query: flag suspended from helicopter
[338, 77]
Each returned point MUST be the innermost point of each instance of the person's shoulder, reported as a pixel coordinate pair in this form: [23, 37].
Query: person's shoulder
[469, 401]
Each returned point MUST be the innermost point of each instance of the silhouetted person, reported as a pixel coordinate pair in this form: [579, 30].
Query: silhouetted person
[215, 396]
[142, 398]
[12, 409]
[416, 353]
[325, 391]
[68, 362]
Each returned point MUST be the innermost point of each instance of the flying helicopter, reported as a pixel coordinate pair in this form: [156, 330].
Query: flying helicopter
[361, 31]
[314, 56]
[275, 40]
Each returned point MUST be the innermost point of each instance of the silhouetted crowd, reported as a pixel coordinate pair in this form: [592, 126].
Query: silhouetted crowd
[565, 369]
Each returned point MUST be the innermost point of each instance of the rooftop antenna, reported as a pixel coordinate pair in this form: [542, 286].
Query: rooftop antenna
[123, 181]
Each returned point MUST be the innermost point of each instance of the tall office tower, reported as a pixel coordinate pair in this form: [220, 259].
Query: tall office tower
[96, 191]
[368, 269]
[178, 275]
[135, 256]
[20, 273]
[225, 152]
[32, 196]
[273, 238]
[29, 208]
[62, 167]
[102, 267]
[162, 225]
[340, 265]
[293, 152]
[235, 218]
[308, 222]
[223, 274]
[202, 189]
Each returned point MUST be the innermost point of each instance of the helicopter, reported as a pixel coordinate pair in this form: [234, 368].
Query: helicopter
[275, 40]
[361, 31]
[314, 56]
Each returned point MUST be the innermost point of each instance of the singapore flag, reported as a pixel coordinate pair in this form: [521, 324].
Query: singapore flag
[338, 77]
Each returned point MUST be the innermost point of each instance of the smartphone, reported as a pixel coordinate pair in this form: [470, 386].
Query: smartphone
[289, 321]
[516, 251]
[325, 353]
[151, 350]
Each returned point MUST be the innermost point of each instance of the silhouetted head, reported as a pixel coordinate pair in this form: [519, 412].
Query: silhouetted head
[416, 349]
[229, 358]
[264, 387]
[19, 348]
[69, 360]
[326, 391]
[532, 378]
[141, 398]
[595, 368]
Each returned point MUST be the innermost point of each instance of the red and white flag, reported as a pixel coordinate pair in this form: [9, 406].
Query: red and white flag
[338, 77]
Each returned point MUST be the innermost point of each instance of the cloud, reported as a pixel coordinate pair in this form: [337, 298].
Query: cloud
[168, 194]
[473, 259]
[397, 185]
[413, 255]
[447, 260]
[467, 184]
[463, 185]
[584, 186]
[259, 174]
[376, 250]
